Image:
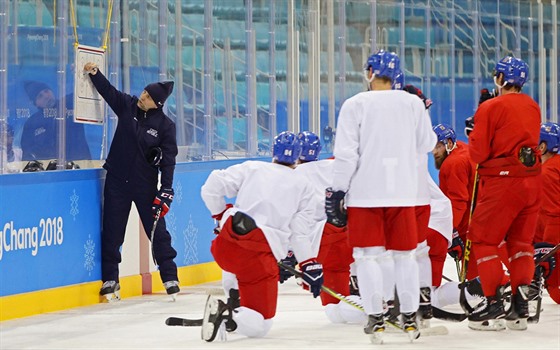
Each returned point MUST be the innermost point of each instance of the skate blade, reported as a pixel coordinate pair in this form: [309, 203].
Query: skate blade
[207, 331]
[376, 337]
[112, 297]
[413, 333]
[489, 325]
[517, 325]
[173, 297]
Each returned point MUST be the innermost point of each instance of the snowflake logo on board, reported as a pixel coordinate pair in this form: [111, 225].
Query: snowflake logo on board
[191, 251]
[89, 255]
[178, 192]
[170, 222]
[74, 199]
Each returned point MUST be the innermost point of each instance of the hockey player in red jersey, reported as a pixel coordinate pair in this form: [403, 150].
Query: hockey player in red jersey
[504, 143]
[379, 135]
[548, 225]
[272, 211]
[456, 180]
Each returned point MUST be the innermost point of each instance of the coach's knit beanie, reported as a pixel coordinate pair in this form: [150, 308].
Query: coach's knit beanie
[33, 88]
[159, 92]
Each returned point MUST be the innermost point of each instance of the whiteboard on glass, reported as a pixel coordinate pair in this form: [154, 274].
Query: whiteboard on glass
[89, 106]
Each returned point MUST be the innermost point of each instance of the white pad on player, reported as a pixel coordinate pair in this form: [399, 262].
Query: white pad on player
[370, 278]
[346, 313]
[251, 323]
[351, 314]
[448, 294]
[229, 281]
[387, 265]
[424, 264]
[406, 275]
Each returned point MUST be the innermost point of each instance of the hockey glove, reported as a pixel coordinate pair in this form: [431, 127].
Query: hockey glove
[541, 249]
[415, 91]
[469, 125]
[312, 275]
[334, 207]
[162, 202]
[289, 260]
[485, 95]
[457, 247]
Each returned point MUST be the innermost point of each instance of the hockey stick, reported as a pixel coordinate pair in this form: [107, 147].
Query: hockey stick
[158, 213]
[184, 322]
[438, 330]
[466, 255]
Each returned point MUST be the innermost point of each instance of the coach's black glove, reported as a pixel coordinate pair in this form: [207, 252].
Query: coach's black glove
[162, 202]
[334, 207]
[289, 260]
[457, 247]
[312, 275]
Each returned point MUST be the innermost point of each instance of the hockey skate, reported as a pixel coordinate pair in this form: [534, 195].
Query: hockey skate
[517, 315]
[490, 317]
[425, 313]
[172, 289]
[375, 328]
[391, 316]
[111, 291]
[410, 326]
[233, 302]
[215, 313]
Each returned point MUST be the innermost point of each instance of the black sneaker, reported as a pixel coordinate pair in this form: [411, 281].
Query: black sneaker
[425, 309]
[215, 312]
[375, 328]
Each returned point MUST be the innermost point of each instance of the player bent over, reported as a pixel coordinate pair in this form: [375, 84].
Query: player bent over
[331, 241]
[272, 210]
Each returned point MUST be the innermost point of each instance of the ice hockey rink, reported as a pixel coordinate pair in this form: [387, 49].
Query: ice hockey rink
[139, 323]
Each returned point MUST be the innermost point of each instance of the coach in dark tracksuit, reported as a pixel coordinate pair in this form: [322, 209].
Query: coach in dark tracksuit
[145, 141]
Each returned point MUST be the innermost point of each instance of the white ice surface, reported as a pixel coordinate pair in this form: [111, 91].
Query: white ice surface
[139, 323]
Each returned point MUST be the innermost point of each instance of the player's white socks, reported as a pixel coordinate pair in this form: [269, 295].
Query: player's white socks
[370, 278]
[406, 274]
[448, 294]
[250, 323]
[387, 265]
[424, 264]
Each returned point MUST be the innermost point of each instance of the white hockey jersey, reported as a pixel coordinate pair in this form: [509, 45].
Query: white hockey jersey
[274, 195]
[441, 212]
[378, 138]
[319, 174]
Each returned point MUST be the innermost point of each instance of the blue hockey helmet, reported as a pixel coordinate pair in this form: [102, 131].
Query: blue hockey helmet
[515, 71]
[286, 148]
[550, 133]
[444, 132]
[383, 64]
[310, 146]
[398, 83]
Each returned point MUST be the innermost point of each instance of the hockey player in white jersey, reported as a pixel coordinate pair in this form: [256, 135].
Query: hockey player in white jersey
[379, 136]
[329, 242]
[273, 209]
